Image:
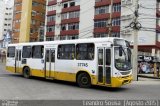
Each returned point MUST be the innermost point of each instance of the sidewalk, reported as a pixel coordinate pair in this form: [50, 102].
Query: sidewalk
[147, 79]
[150, 76]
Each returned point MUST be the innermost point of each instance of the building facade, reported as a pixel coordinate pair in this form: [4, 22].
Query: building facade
[6, 22]
[77, 19]
[29, 19]
[2, 9]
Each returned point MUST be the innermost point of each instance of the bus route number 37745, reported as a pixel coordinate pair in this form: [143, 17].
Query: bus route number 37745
[82, 64]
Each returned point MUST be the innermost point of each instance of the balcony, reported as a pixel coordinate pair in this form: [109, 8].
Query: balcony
[115, 28]
[100, 3]
[40, 1]
[17, 17]
[50, 34]
[101, 30]
[65, 1]
[18, 8]
[51, 13]
[71, 20]
[39, 18]
[71, 9]
[53, 2]
[69, 32]
[106, 29]
[17, 26]
[51, 23]
[116, 14]
[116, 1]
[107, 16]
[38, 8]
[102, 16]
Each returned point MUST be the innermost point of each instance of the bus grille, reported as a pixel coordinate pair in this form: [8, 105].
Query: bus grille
[125, 73]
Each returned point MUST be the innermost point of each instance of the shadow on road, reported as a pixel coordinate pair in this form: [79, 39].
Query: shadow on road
[72, 84]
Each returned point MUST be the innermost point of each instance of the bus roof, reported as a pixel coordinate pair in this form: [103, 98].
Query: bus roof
[89, 40]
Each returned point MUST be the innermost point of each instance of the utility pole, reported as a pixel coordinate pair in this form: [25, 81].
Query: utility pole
[110, 20]
[135, 47]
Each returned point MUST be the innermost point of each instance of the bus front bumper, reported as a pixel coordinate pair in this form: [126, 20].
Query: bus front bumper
[119, 81]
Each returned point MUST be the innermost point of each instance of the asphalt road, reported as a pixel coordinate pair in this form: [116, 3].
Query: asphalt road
[16, 87]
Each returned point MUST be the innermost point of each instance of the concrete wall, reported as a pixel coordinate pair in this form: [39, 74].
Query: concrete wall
[86, 24]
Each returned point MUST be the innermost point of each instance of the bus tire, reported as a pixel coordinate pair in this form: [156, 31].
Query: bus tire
[84, 80]
[26, 72]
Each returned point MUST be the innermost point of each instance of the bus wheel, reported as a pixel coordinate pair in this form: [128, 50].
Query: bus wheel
[26, 72]
[84, 80]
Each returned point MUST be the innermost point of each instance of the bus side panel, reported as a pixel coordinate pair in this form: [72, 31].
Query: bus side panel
[65, 70]
[10, 65]
[36, 66]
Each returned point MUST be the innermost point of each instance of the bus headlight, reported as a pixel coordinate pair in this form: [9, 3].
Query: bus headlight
[118, 75]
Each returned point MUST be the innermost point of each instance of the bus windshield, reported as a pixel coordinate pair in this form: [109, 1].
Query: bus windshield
[122, 58]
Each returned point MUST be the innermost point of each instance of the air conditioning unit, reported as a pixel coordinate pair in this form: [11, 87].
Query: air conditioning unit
[58, 14]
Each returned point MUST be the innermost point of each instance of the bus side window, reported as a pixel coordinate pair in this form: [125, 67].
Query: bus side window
[66, 51]
[37, 51]
[108, 57]
[85, 51]
[11, 52]
[27, 52]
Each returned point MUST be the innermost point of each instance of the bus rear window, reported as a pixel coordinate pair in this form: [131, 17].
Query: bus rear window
[11, 52]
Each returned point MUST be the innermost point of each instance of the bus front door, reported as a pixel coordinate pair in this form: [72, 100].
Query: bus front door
[104, 63]
[49, 63]
[18, 61]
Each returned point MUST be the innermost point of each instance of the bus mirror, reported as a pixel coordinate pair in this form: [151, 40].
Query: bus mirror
[120, 51]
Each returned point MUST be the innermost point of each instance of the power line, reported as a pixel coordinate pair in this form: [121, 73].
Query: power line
[148, 7]
[147, 18]
[147, 15]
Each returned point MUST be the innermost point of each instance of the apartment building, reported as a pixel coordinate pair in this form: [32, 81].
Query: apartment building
[6, 17]
[2, 9]
[77, 19]
[29, 19]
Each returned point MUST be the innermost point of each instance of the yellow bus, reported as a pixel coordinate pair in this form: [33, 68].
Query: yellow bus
[95, 61]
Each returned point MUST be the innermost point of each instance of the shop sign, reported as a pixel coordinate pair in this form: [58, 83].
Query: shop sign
[146, 58]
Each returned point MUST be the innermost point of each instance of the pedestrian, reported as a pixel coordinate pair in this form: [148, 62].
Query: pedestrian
[2, 57]
[158, 72]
